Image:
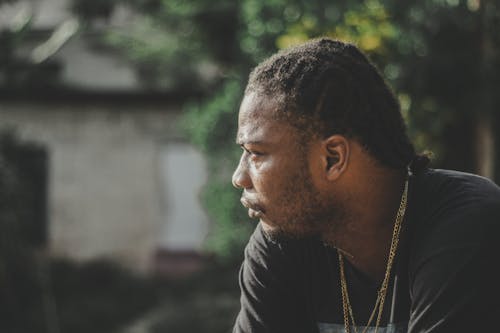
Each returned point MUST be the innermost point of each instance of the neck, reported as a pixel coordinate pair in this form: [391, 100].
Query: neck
[371, 207]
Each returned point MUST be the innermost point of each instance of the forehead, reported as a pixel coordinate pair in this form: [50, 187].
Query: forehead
[258, 121]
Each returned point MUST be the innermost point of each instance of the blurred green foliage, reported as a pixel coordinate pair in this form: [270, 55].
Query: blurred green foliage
[88, 9]
[211, 126]
[441, 57]
[174, 43]
[17, 69]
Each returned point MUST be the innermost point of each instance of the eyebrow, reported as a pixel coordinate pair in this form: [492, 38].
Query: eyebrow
[242, 142]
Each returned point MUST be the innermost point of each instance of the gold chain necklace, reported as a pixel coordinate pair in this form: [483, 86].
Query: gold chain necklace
[379, 303]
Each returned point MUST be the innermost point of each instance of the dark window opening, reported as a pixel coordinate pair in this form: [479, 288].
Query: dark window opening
[24, 191]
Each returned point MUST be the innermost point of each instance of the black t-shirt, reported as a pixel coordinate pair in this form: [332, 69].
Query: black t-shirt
[446, 276]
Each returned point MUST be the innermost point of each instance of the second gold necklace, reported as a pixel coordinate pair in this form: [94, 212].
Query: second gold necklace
[379, 303]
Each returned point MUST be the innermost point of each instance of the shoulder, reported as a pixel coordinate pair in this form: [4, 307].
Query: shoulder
[454, 222]
[262, 246]
[264, 249]
[453, 211]
[443, 195]
[287, 261]
[449, 184]
[271, 300]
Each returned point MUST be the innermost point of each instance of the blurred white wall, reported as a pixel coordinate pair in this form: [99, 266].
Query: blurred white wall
[118, 187]
[183, 173]
[122, 185]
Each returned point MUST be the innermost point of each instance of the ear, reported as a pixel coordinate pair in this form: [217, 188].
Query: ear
[336, 153]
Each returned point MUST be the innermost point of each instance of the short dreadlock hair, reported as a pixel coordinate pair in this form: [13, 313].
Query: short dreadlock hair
[336, 90]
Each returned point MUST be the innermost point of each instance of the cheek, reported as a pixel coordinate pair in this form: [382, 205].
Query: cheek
[269, 176]
[317, 172]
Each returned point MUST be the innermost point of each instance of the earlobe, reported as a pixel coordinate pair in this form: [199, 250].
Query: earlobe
[336, 155]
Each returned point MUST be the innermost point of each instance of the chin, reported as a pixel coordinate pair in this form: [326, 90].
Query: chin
[287, 231]
[269, 228]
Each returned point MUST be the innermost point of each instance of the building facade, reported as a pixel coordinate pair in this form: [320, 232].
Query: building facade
[122, 181]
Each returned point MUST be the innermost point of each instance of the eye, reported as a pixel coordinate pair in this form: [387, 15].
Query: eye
[253, 153]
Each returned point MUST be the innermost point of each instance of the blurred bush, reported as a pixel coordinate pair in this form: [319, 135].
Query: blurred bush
[211, 126]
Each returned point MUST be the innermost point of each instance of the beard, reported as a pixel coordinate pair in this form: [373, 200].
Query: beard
[304, 211]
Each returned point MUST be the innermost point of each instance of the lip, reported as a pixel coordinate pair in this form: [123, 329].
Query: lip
[254, 211]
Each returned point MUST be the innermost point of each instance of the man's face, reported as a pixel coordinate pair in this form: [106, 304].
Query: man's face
[276, 171]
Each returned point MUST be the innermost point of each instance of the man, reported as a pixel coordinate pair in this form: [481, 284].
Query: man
[355, 233]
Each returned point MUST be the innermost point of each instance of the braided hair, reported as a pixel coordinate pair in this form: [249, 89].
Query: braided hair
[330, 87]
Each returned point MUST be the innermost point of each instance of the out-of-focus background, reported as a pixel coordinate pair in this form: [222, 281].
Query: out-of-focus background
[117, 124]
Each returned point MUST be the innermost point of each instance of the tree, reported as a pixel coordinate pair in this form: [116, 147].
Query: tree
[18, 69]
[450, 77]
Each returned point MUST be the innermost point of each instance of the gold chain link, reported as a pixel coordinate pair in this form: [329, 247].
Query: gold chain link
[381, 295]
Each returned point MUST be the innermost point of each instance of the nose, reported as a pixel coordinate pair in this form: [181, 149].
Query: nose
[241, 179]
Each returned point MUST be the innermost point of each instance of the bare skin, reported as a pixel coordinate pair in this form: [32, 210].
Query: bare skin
[330, 186]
